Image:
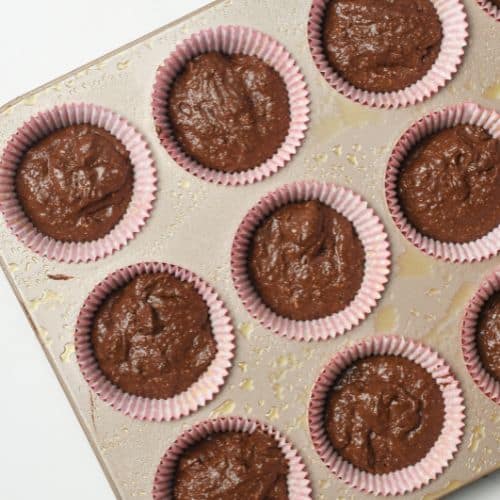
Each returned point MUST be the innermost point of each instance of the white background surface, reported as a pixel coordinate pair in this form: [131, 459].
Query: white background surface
[43, 451]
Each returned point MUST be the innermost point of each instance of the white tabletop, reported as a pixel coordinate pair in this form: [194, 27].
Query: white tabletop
[44, 453]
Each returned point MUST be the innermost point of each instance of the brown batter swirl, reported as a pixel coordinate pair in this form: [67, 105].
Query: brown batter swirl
[306, 261]
[232, 465]
[488, 335]
[381, 45]
[449, 187]
[384, 413]
[229, 112]
[153, 337]
[76, 183]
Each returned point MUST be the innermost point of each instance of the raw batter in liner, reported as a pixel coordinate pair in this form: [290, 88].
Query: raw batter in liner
[232, 465]
[384, 413]
[381, 45]
[153, 337]
[306, 261]
[449, 186]
[76, 184]
[488, 335]
[229, 112]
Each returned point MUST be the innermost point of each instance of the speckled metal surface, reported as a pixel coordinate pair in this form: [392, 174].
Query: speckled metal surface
[193, 224]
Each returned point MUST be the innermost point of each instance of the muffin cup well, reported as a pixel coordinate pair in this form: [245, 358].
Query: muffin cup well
[467, 113]
[180, 405]
[42, 125]
[409, 478]
[453, 19]
[298, 480]
[490, 8]
[377, 260]
[488, 384]
[233, 40]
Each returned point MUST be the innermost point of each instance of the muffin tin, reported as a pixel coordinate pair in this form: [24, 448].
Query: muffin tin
[193, 223]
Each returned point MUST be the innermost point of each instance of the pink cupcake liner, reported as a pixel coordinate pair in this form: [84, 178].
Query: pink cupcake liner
[298, 480]
[490, 8]
[454, 23]
[141, 204]
[467, 113]
[412, 477]
[233, 40]
[141, 408]
[377, 254]
[488, 384]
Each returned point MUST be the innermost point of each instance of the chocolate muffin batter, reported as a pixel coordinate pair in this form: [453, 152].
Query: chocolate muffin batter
[381, 45]
[153, 337]
[449, 186]
[384, 413]
[229, 112]
[76, 183]
[306, 261]
[488, 335]
[232, 465]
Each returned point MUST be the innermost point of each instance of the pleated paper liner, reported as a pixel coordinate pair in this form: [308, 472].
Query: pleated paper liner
[490, 8]
[467, 113]
[233, 40]
[488, 384]
[409, 478]
[43, 124]
[298, 480]
[377, 260]
[454, 24]
[180, 405]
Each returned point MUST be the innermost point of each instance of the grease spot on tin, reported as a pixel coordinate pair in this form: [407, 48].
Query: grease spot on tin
[246, 329]
[458, 301]
[226, 408]
[492, 92]
[47, 297]
[433, 292]
[247, 384]
[461, 297]
[451, 486]
[386, 319]
[43, 335]
[69, 349]
[278, 392]
[320, 158]
[29, 100]
[273, 414]
[478, 434]
[413, 263]
[354, 115]
[352, 160]
[121, 65]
